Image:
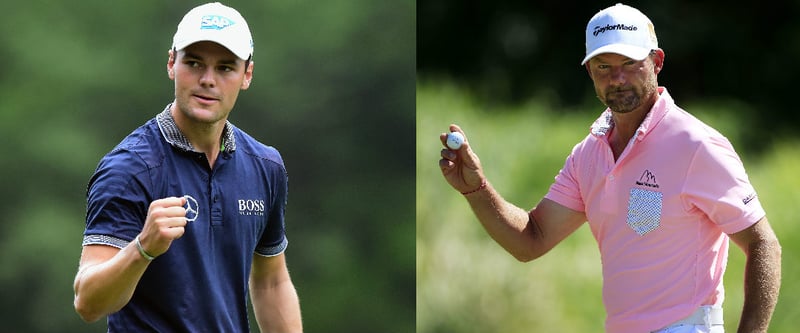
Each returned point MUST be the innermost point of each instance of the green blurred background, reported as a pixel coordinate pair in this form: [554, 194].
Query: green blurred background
[509, 73]
[333, 90]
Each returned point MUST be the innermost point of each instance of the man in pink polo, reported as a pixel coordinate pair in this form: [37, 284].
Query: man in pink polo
[662, 192]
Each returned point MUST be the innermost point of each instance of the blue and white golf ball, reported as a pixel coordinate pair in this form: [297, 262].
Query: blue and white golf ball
[454, 140]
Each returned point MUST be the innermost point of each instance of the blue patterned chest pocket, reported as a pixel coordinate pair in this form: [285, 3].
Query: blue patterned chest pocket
[644, 210]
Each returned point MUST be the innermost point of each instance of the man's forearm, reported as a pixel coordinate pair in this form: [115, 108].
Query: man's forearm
[507, 224]
[762, 283]
[277, 308]
[103, 288]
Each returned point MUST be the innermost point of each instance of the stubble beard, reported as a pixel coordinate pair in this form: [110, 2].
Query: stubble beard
[623, 104]
[632, 100]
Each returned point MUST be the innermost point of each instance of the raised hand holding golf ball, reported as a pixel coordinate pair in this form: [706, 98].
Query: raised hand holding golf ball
[454, 140]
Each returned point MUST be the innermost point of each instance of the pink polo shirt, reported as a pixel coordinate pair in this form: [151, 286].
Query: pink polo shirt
[660, 214]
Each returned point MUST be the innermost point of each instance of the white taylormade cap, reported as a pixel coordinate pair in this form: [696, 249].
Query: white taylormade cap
[622, 30]
[217, 23]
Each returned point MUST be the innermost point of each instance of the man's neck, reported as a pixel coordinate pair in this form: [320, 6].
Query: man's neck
[205, 138]
[626, 125]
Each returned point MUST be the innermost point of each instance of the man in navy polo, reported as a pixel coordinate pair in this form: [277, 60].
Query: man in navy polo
[185, 217]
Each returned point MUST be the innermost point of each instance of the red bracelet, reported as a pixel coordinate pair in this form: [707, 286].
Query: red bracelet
[483, 185]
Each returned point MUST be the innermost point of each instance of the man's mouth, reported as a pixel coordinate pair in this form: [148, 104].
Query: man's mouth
[205, 98]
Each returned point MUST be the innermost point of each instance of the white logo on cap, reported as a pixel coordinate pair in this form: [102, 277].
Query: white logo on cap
[192, 208]
[215, 22]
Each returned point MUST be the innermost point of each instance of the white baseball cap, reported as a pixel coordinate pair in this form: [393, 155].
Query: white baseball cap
[622, 30]
[217, 23]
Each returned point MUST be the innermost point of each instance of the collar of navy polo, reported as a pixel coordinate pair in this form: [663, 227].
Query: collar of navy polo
[174, 136]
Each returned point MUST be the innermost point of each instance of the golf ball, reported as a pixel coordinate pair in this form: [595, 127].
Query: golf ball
[454, 140]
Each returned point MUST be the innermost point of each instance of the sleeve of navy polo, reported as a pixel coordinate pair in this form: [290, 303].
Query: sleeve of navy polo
[116, 201]
[273, 240]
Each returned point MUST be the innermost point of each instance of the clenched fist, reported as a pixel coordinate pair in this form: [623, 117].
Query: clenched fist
[166, 221]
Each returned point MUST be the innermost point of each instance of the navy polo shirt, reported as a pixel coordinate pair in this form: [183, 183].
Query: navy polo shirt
[201, 283]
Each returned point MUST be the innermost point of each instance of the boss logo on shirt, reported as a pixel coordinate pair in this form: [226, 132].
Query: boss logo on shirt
[251, 207]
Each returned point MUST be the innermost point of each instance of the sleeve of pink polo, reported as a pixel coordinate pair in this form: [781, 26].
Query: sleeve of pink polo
[718, 185]
[565, 190]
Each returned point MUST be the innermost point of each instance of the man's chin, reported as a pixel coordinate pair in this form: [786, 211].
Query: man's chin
[203, 115]
[622, 106]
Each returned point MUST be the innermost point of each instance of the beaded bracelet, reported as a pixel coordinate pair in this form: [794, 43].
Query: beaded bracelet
[142, 251]
[483, 185]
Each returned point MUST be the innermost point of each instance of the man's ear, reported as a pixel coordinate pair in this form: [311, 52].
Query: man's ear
[248, 75]
[171, 64]
[658, 61]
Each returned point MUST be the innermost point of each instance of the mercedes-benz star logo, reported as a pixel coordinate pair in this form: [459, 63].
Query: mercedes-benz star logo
[192, 208]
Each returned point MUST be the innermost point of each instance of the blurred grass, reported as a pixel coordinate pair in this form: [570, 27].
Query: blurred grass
[468, 283]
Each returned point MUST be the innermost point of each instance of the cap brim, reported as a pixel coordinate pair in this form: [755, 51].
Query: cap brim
[241, 54]
[633, 52]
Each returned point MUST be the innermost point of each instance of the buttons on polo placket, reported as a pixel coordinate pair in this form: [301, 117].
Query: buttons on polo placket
[216, 204]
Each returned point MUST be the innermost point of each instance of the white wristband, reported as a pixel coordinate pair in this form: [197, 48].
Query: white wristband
[142, 251]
